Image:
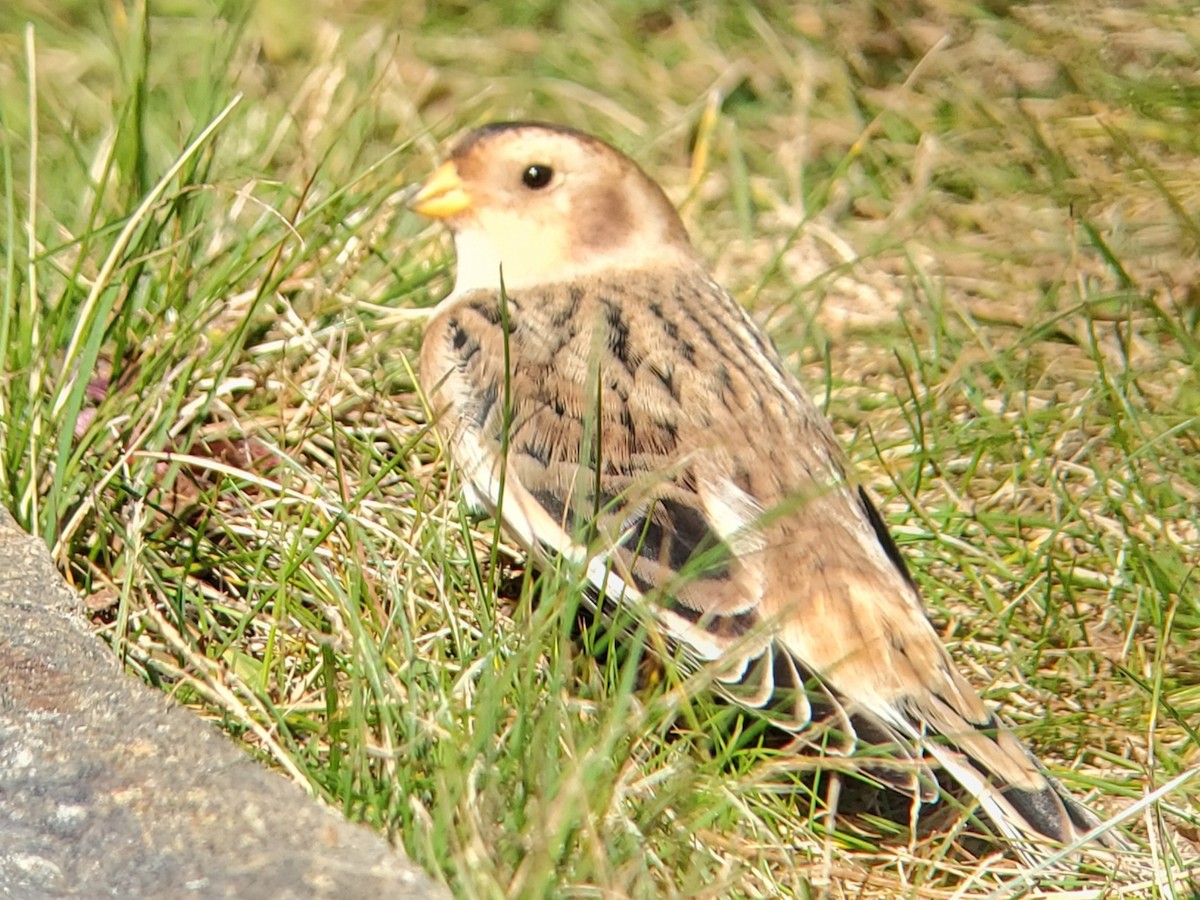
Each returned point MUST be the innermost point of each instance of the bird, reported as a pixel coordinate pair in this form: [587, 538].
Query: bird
[612, 404]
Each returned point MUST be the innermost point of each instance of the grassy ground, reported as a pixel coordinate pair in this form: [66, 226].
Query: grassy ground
[974, 230]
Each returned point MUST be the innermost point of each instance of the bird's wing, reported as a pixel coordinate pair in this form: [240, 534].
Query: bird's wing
[586, 466]
[648, 430]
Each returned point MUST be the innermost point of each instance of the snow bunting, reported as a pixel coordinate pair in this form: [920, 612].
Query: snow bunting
[612, 403]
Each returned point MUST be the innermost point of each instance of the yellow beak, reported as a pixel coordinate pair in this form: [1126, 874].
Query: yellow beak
[442, 195]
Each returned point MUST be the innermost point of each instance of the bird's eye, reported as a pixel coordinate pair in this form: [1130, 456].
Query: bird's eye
[537, 176]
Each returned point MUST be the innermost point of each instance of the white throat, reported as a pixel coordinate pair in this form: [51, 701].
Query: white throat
[480, 262]
[479, 265]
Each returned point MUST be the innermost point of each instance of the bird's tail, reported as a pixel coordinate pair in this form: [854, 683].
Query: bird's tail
[1035, 817]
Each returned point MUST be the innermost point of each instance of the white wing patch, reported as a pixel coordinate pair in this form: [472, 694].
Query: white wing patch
[733, 515]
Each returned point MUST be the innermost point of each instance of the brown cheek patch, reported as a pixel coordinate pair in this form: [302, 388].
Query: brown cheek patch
[603, 221]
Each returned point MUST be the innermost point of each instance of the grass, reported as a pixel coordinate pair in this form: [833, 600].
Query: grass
[972, 230]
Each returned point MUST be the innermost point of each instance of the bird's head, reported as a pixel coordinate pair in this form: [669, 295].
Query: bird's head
[548, 204]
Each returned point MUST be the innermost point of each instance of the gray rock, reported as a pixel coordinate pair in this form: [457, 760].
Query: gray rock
[109, 790]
